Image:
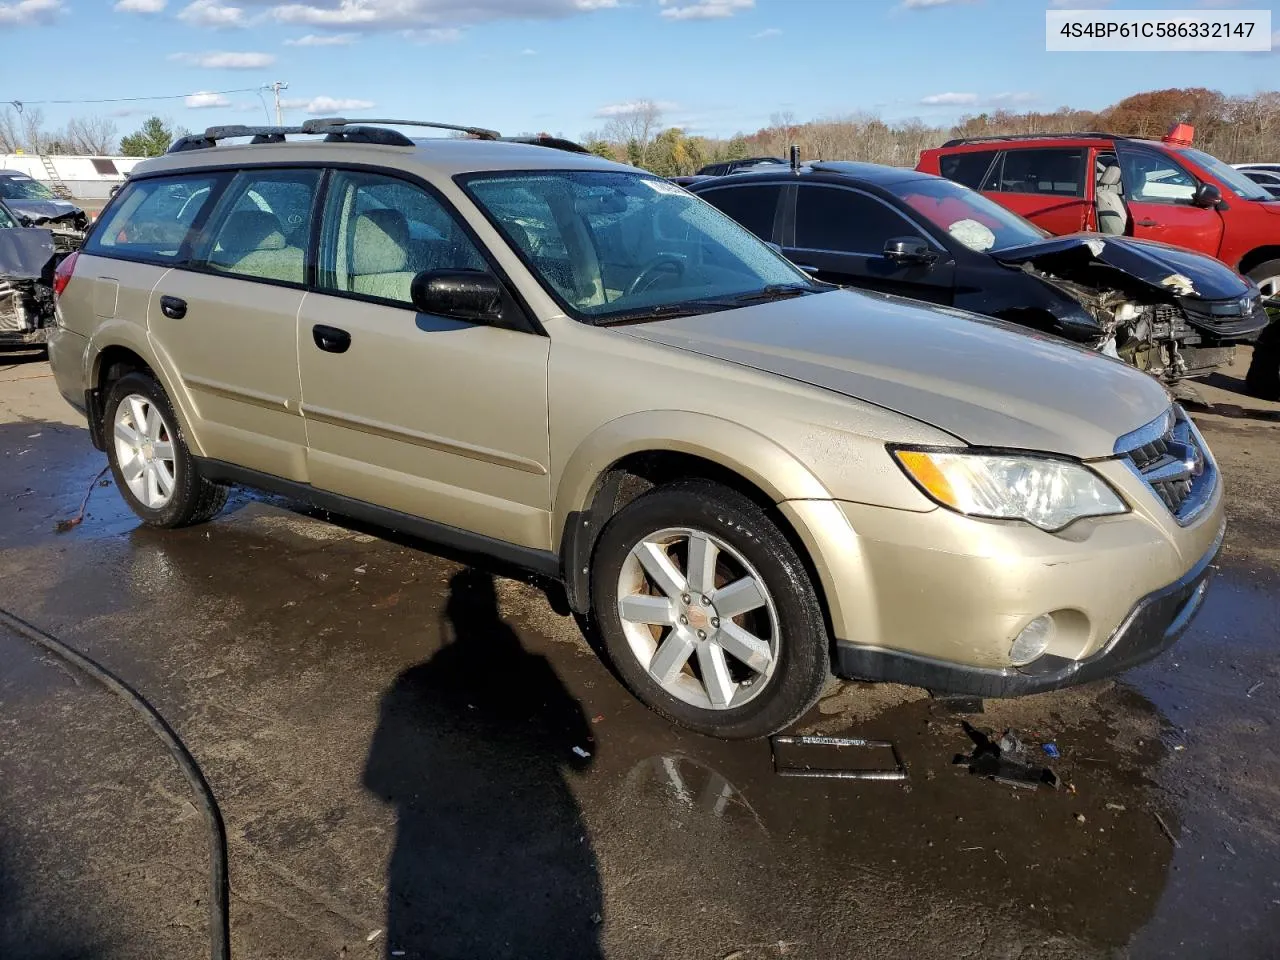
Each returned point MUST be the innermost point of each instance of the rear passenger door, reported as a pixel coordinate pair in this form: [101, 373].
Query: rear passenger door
[434, 417]
[842, 233]
[228, 320]
[1050, 186]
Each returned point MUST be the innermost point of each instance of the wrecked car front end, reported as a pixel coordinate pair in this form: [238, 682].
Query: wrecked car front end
[27, 259]
[1170, 312]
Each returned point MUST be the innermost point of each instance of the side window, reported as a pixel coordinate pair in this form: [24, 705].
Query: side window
[152, 218]
[751, 206]
[263, 226]
[1055, 171]
[845, 221]
[967, 168]
[6, 221]
[380, 232]
[1152, 177]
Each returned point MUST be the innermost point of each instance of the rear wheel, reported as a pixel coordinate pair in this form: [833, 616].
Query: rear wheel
[707, 613]
[152, 466]
[1263, 378]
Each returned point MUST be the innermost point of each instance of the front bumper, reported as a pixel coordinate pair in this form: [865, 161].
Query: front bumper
[1151, 627]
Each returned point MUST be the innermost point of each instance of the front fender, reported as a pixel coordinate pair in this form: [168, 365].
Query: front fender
[747, 453]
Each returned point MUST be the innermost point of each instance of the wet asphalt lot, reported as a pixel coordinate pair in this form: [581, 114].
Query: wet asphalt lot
[390, 735]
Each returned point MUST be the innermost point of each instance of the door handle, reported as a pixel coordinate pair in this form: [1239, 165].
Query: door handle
[175, 308]
[330, 339]
[1148, 223]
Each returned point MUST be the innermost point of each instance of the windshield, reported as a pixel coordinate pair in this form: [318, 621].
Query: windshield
[23, 188]
[607, 243]
[1233, 178]
[966, 215]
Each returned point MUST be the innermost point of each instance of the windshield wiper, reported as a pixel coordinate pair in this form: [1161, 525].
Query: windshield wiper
[775, 291]
[666, 311]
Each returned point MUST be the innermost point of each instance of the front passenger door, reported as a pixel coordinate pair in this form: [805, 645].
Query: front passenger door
[842, 233]
[434, 417]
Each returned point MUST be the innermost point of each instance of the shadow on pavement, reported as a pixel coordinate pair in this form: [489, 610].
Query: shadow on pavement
[472, 748]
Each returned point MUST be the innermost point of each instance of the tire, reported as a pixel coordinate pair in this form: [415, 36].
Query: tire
[785, 633]
[190, 498]
[1263, 379]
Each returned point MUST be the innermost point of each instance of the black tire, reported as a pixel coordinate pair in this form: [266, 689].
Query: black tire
[803, 659]
[1263, 379]
[194, 499]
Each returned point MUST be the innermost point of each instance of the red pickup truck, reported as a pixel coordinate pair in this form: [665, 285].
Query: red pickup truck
[1158, 190]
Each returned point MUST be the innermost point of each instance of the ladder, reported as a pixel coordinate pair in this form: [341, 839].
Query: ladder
[56, 184]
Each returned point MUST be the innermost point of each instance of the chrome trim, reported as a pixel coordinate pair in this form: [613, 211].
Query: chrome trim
[1147, 433]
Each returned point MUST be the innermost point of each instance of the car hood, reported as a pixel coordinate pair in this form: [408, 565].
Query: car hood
[1150, 267]
[986, 382]
[38, 210]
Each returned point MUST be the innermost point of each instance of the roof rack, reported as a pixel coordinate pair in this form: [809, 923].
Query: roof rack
[958, 141]
[334, 129]
[546, 140]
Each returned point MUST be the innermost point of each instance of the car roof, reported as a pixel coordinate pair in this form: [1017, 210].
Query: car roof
[440, 156]
[876, 174]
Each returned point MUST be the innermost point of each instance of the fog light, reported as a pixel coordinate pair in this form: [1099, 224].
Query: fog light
[1031, 642]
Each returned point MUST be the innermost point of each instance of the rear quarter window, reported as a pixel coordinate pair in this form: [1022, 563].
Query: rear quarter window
[967, 168]
[153, 219]
[1049, 170]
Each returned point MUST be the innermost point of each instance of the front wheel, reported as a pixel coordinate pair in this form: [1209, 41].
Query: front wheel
[707, 613]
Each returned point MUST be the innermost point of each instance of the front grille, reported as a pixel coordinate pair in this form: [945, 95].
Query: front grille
[1248, 321]
[1172, 459]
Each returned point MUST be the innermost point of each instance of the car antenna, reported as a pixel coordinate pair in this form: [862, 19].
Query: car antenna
[795, 158]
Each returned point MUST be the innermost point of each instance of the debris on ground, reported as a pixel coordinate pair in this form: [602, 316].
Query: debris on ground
[1254, 688]
[373, 936]
[1080, 818]
[1051, 750]
[1002, 761]
[955, 704]
[1116, 806]
[582, 753]
[1165, 827]
[62, 526]
[836, 767]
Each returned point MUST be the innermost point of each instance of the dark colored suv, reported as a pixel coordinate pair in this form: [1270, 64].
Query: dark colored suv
[1171, 192]
[1170, 312]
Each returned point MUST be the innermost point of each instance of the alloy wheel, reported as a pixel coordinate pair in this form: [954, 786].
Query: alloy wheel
[699, 618]
[144, 451]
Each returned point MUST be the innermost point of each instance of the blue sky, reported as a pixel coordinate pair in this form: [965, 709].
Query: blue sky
[715, 66]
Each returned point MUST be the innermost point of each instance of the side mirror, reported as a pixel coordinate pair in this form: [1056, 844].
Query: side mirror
[1207, 195]
[907, 250]
[471, 295]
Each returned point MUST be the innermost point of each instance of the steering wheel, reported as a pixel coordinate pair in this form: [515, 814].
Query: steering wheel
[651, 271]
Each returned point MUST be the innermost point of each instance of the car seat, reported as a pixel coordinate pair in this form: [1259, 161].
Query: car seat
[1113, 214]
[380, 255]
[252, 243]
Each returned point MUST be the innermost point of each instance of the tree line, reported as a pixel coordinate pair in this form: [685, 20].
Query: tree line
[1238, 129]
[25, 131]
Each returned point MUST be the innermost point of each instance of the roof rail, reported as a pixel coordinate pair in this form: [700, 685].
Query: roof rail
[334, 129]
[959, 141]
[546, 140]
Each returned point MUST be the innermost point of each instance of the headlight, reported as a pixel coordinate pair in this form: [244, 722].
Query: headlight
[1045, 492]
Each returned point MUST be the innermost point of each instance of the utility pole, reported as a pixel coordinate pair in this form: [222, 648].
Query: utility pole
[276, 88]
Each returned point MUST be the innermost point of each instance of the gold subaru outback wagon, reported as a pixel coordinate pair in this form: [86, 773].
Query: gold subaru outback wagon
[748, 479]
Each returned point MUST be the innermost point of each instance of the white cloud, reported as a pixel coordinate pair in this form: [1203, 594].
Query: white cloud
[974, 100]
[370, 15]
[225, 60]
[27, 13]
[528, 52]
[620, 109]
[434, 35]
[949, 99]
[703, 9]
[925, 4]
[140, 6]
[766, 33]
[212, 13]
[327, 105]
[204, 101]
[323, 40]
